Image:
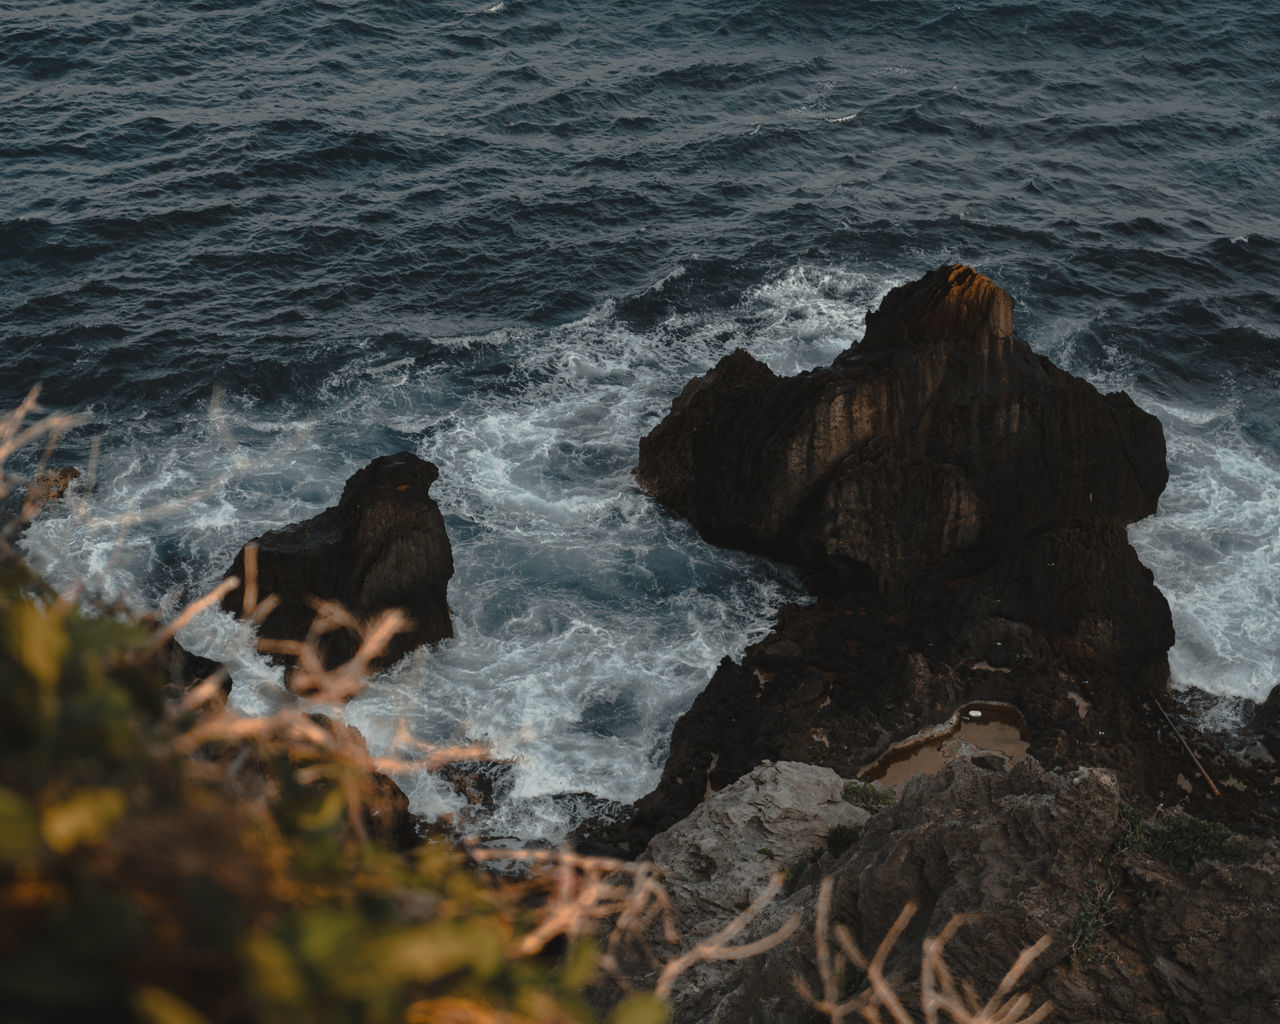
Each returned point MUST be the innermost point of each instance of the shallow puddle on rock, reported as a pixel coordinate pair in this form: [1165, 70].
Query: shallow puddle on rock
[974, 730]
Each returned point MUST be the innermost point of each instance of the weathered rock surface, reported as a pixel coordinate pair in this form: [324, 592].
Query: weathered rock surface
[383, 546]
[941, 434]
[720, 858]
[50, 485]
[1025, 853]
[18, 509]
[960, 505]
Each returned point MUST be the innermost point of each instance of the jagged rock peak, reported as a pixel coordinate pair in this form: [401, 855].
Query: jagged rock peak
[954, 304]
[959, 502]
[941, 434]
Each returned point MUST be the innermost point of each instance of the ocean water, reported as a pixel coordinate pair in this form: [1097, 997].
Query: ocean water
[260, 242]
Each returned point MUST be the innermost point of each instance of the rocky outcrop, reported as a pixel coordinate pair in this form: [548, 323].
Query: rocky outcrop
[940, 438]
[50, 485]
[719, 858]
[959, 505]
[383, 546]
[1148, 920]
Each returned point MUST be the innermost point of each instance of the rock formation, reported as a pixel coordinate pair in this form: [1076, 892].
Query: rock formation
[719, 858]
[383, 546]
[1148, 920]
[937, 443]
[959, 506]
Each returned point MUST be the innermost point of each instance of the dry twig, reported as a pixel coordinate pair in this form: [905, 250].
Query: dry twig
[939, 993]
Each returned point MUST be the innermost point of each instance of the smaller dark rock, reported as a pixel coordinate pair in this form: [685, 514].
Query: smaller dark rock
[480, 783]
[1266, 722]
[51, 485]
[383, 546]
[384, 806]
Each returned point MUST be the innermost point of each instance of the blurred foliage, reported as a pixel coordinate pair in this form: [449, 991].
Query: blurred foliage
[141, 884]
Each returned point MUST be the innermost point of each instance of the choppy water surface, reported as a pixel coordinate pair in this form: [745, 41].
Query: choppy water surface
[263, 241]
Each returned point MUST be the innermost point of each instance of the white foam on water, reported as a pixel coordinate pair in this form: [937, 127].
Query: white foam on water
[586, 618]
[1214, 548]
[1214, 543]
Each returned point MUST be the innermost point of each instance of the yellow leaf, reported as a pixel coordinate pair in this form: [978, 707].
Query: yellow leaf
[435, 950]
[83, 818]
[330, 811]
[580, 965]
[274, 974]
[41, 641]
[640, 1008]
[156, 1006]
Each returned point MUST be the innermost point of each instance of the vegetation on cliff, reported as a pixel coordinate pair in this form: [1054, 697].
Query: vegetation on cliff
[163, 860]
[232, 882]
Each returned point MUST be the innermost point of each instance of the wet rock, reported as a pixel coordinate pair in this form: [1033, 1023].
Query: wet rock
[18, 509]
[960, 506]
[941, 434]
[1265, 722]
[51, 485]
[480, 783]
[384, 806]
[383, 546]
[181, 671]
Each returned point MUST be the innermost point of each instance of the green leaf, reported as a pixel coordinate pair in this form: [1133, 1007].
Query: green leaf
[41, 640]
[325, 934]
[580, 965]
[640, 1008]
[83, 818]
[40, 644]
[156, 1006]
[275, 976]
[435, 950]
[331, 810]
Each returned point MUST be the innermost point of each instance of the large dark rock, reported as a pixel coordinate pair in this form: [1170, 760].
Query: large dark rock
[383, 546]
[960, 505]
[941, 434]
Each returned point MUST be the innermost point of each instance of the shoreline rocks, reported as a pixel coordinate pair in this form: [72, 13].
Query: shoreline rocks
[1148, 918]
[382, 546]
[959, 505]
[926, 450]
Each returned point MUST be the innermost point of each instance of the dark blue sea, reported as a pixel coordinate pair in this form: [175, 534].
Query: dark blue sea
[259, 242]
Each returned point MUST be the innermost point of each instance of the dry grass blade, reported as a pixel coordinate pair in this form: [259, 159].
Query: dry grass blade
[205, 693]
[939, 993]
[714, 947]
[14, 435]
[340, 753]
[166, 633]
[434, 758]
[586, 890]
[589, 890]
